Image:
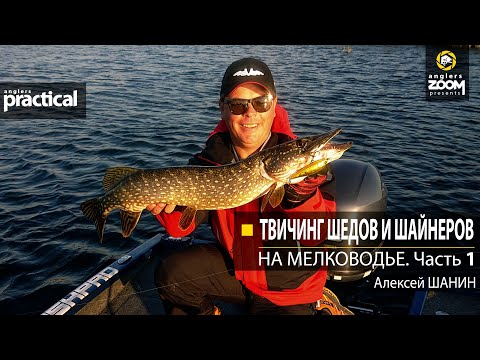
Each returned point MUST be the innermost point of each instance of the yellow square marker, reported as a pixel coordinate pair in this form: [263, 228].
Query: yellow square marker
[247, 229]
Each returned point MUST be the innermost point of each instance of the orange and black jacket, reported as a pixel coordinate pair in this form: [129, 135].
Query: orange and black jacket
[281, 286]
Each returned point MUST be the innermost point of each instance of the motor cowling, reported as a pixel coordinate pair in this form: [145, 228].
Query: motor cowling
[359, 193]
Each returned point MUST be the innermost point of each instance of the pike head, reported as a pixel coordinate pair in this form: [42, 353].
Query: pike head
[293, 161]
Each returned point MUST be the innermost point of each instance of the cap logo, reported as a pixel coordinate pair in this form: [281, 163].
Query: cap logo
[252, 72]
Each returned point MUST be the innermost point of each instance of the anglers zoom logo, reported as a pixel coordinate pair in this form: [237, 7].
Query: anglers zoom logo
[446, 60]
[43, 100]
[447, 73]
[252, 72]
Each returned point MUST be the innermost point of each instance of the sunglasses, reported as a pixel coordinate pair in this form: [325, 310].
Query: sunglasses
[240, 106]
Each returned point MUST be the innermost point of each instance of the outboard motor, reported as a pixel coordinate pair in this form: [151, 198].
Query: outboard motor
[359, 193]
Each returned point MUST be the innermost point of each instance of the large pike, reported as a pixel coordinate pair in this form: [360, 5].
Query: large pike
[211, 187]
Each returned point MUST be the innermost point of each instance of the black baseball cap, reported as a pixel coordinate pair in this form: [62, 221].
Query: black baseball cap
[247, 70]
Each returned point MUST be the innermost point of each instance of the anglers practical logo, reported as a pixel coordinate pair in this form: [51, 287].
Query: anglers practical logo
[447, 73]
[42, 100]
[252, 72]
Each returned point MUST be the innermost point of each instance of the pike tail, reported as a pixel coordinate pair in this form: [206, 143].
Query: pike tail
[93, 210]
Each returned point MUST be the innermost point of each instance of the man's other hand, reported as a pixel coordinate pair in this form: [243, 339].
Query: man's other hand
[156, 209]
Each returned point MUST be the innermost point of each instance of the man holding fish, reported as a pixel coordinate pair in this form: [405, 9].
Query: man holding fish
[190, 279]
